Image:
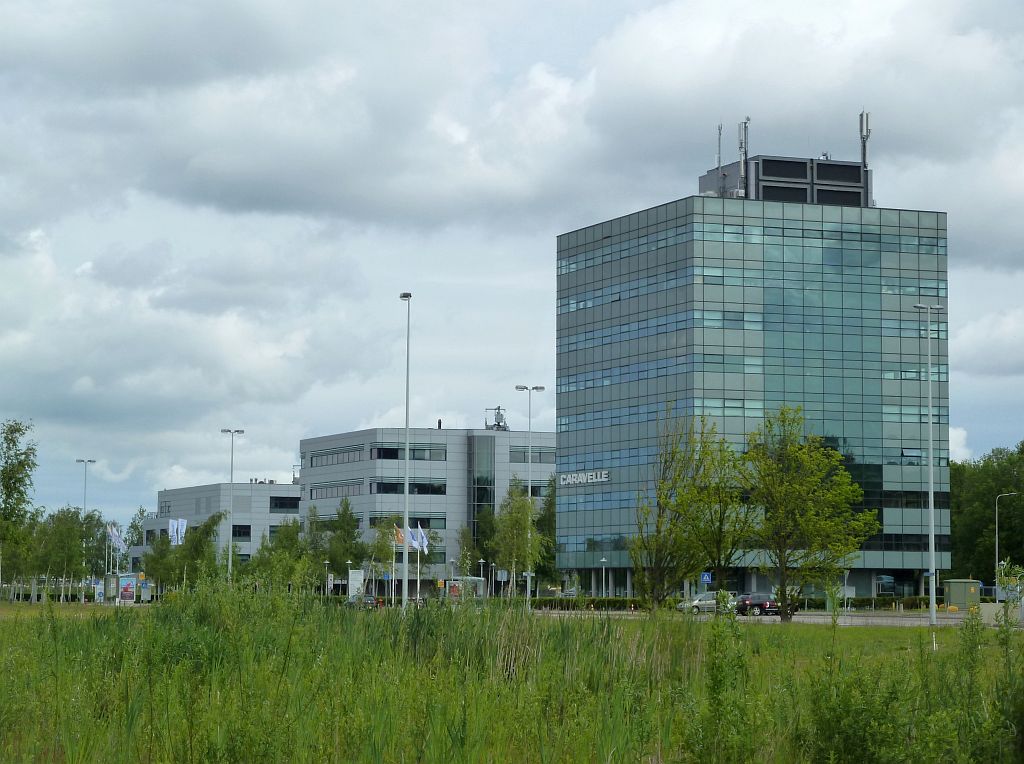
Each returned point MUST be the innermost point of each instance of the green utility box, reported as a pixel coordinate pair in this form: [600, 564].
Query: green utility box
[964, 593]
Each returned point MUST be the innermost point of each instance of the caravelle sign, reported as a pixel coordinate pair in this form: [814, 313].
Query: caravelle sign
[584, 478]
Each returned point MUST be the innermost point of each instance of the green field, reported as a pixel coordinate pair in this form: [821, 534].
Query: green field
[219, 676]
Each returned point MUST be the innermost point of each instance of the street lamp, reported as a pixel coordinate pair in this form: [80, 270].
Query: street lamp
[1013, 493]
[452, 563]
[406, 297]
[932, 618]
[604, 587]
[348, 578]
[529, 472]
[85, 484]
[492, 579]
[481, 562]
[231, 494]
[85, 479]
[326, 563]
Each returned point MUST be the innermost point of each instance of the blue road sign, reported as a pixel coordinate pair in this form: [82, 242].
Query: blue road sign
[705, 577]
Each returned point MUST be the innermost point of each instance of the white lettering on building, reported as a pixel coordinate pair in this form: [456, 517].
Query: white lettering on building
[583, 478]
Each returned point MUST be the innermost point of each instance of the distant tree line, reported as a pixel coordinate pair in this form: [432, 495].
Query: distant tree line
[973, 486]
[63, 545]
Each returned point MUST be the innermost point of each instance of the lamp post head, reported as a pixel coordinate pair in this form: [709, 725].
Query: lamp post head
[604, 559]
[919, 306]
[229, 431]
[406, 296]
[522, 388]
[538, 388]
[85, 461]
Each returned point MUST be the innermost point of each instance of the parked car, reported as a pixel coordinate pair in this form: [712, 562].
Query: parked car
[757, 603]
[704, 603]
[362, 602]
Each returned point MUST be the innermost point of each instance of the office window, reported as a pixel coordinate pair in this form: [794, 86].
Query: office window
[284, 504]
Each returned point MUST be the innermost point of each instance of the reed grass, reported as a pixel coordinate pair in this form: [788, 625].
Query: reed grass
[226, 676]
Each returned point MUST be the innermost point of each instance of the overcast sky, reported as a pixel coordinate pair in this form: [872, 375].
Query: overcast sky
[208, 209]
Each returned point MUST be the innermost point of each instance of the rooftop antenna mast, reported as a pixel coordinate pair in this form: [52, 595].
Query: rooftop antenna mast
[865, 133]
[744, 144]
[718, 161]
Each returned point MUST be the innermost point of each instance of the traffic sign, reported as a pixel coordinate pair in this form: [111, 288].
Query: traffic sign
[705, 577]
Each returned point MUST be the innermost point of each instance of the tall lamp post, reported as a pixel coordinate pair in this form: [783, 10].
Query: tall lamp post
[932, 618]
[529, 390]
[1012, 493]
[348, 578]
[231, 494]
[85, 480]
[604, 587]
[406, 297]
[481, 562]
[85, 486]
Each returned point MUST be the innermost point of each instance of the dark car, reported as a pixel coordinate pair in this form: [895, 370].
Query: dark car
[361, 602]
[758, 603]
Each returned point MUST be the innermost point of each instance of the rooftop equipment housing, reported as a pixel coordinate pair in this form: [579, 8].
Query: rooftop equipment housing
[792, 179]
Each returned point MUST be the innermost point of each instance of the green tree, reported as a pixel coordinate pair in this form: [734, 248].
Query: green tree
[468, 554]
[17, 464]
[135, 535]
[486, 526]
[159, 563]
[546, 570]
[716, 522]
[974, 486]
[808, 529]
[196, 556]
[95, 542]
[517, 543]
[661, 557]
[382, 548]
[61, 547]
[345, 542]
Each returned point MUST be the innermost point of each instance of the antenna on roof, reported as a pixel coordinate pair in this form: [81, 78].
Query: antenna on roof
[865, 133]
[744, 143]
[718, 161]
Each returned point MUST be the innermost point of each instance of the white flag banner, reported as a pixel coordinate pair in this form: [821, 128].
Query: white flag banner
[115, 538]
[414, 539]
[172, 531]
[423, 539]
[182, 524]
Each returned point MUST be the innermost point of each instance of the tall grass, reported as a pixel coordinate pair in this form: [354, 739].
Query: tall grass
[236, 676]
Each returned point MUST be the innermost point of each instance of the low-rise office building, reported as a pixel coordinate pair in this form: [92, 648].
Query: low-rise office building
[257, 509]
[453, 475]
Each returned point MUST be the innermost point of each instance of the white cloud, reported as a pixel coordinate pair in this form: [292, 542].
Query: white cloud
[958, 450]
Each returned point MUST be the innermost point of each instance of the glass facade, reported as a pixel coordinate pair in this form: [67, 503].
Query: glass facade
[481, 478]
[732, 308]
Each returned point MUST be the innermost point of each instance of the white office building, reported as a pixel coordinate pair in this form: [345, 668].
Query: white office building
[259, 508]
[453, 474]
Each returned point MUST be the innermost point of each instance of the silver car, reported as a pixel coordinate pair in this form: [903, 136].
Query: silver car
[704, 603]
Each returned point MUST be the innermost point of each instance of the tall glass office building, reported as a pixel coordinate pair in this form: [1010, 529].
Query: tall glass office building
[793, 292]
